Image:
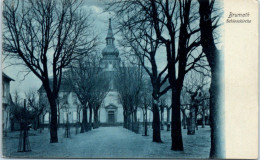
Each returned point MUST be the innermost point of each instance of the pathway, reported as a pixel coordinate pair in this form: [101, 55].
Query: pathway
[108, 142]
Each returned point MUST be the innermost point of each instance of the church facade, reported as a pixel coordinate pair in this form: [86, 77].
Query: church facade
[111, 110]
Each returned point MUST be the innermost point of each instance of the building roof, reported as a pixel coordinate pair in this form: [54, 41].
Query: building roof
[64, 86]
[110, 50]
[6, 77]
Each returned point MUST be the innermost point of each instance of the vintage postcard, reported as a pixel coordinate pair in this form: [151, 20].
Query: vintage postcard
[129, 79]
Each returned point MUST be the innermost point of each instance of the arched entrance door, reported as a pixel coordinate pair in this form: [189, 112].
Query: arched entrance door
[111, 111]
[111, 116]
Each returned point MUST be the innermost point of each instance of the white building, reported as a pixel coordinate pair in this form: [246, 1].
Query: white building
[6, 102]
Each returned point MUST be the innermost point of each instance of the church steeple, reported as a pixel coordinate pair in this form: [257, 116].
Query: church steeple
[110, 36]
[110, 49]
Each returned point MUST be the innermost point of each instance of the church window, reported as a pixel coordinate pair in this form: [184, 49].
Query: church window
[74, 116]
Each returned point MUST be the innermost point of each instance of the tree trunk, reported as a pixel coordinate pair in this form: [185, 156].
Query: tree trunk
[145, 124]
[58, 106]
[38, 122]
[203, 117]
[168, 119]
[84, 120]
[214, 58]
[132, 121]
[184, 119]
[43, 121]
[96, 125]
[196, 116]
[128, 120]
[78, 117]
[216, 118]
[58, 118]
[191, 121]
[90, 117]
[135, 121]
[162, 119]
[125, 119]
[53, 125]
[176, 135]
[156, 122]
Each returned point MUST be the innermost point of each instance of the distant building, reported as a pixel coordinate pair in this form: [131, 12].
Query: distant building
[111, 110]
[67, 105]
[6, 102]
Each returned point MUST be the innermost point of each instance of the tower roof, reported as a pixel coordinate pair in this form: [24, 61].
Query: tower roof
[110, 34]
[110, 49]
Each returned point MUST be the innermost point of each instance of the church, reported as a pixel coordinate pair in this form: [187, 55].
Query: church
[111, 110]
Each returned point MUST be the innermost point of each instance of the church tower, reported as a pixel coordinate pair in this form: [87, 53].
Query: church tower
[111, 111]
[110, 60]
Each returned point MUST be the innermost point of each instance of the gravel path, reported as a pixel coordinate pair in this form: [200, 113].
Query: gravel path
[108, 142]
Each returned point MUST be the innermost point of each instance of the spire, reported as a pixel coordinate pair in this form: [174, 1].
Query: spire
[110, 48]
[110, 24]
[110, 34]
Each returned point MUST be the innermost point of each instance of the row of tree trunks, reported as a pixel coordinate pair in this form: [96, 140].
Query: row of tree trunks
[131, 121]
[87, 123]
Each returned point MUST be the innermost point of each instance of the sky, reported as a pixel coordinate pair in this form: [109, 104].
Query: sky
[24, 83]
[100, 18]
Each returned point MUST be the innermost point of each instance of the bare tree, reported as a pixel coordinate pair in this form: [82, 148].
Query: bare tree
[130, 85]
[34, 106]
[85, 77]
[163, 106]
[97, 94]
[146, 104]
[176, 29]
[138, 37]
[193, 96]
[214, 57]
[46, 36]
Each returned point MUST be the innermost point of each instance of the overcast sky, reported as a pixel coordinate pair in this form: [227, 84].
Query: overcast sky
[100, 23]
[31, 81]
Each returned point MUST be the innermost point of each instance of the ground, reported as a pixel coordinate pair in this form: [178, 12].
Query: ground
[108, 142]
